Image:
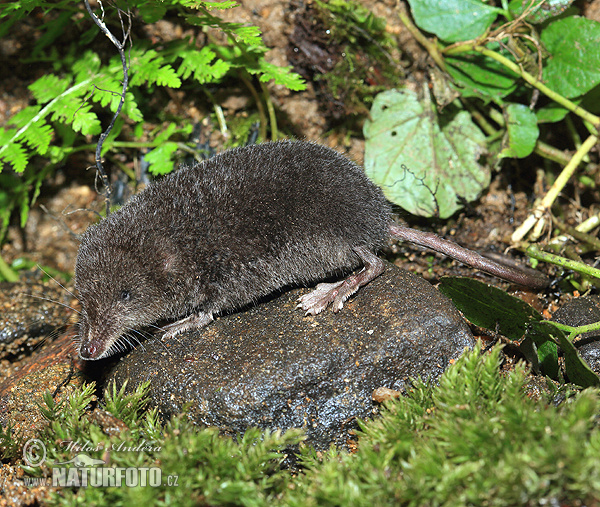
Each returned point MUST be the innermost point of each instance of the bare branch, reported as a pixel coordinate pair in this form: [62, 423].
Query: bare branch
[121, 48]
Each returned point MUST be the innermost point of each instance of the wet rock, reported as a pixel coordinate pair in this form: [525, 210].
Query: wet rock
[273, 367]
[29, 312]
[580, 312]
[33, 358]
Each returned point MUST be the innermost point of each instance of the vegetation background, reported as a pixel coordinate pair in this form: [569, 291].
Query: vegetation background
[495, 105]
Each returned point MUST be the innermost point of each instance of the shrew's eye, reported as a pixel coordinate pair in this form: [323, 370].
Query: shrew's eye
[125, 295]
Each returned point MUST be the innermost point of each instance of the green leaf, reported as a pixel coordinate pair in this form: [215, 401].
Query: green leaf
[160, 158]
[574, 65]
[88, 65]
[540, 348]
[576, 368]
[223, 4]
[249, 35]
[39, 136]
[131, 109]
[551, 113]
[281, 75]
[493, 309]
[489, 307]
[86, 122]
[453, 20]
[423, 163]
[477, 75]
[16, 155]
[202, 65]
[521, 131]
[49, 87]
[149, 67]
[539, 10]
[152, 12]
[24, 116]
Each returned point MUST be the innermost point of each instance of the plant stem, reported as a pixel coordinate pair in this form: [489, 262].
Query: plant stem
[259, 105]
[575, 331]
[555, 190]
[535, 252]
[578, 235]
[551, 153]
[271, 109]
[532, 80]
[431, 48]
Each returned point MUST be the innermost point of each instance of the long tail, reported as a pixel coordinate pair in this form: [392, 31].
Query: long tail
[522, 276]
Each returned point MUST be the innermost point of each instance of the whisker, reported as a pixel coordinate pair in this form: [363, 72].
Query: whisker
[56, 281]
[125, 339]
[50, 300]
[147, 336]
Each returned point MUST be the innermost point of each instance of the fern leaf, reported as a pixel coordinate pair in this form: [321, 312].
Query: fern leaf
[162, 137]
[87, 66]
[24, 116]
[281, 75]
[48, 87]
[151, 13]
[150, 68]
[38, 136]
[83, 120]
[160, 158]
[108, 92]
[247, 34]
[199, 63]
[226, 4]
[86, 121]
[131, 109]
[16, 155]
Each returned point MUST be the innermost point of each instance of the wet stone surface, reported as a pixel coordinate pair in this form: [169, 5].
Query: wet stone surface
[272, 367]
[27, 311]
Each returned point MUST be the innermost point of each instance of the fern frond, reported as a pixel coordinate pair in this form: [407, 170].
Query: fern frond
[81, 117]
[12, 152]
[24, 116]
[150, 67]
[38, 133]
[160, 158]
[202, 65]
[281, 75]
[39, 136]
[226, 4]
[131, 109]
[249, 35]
[86, 121]
[87, 66]
[48, 87]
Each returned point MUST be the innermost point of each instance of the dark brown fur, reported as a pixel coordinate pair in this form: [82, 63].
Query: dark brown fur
[223, 234]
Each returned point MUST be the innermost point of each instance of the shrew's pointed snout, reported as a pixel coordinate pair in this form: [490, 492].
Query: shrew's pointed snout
[89, 351]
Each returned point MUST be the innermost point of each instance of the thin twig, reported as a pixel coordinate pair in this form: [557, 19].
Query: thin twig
[121, 48]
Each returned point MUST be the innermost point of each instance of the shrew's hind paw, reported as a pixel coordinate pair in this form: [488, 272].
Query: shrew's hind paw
[338, 292]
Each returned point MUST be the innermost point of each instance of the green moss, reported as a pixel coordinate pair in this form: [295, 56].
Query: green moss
[474, 439]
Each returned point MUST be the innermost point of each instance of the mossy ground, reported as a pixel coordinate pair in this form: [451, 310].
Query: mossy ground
[474, 439]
